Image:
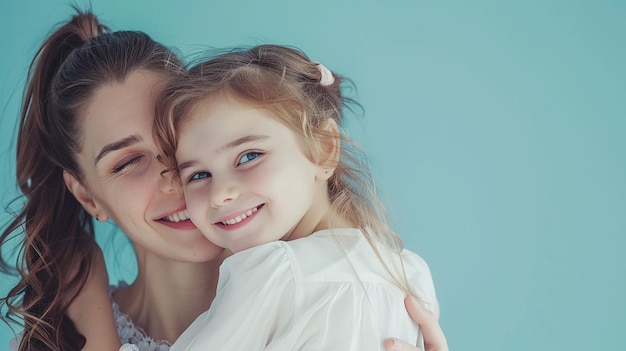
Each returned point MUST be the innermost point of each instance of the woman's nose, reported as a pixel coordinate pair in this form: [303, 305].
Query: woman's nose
[169, 181]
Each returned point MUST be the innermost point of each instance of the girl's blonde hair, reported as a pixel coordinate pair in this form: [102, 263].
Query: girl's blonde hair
[284, 82]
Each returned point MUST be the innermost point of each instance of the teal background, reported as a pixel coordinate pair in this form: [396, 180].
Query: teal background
[496, 129]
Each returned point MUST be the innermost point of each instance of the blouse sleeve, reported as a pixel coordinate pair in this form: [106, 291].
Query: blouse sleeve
[254, 302]
[420, 279]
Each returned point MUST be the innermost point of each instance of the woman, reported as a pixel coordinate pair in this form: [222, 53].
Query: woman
[85, 151]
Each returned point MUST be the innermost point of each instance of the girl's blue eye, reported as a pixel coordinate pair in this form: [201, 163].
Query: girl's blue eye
[249, 157]
[199, 176]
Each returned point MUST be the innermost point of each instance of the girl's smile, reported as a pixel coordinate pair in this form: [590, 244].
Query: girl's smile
[235, 221]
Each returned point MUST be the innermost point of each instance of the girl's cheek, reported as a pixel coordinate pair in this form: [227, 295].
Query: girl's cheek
[260, 175]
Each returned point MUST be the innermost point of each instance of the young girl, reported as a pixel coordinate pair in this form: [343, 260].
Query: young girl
[268, 174]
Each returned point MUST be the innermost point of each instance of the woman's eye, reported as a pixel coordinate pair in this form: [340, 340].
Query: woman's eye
[249, 156]
[199, 176]
[125, 165]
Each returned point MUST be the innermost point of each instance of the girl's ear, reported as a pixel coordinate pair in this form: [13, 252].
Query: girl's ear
[84, 197]
[330, 149]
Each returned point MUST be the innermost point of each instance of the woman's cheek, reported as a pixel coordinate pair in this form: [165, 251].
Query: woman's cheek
[193, 200]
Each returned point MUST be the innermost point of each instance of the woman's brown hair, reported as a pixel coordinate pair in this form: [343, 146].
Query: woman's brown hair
[55, 233]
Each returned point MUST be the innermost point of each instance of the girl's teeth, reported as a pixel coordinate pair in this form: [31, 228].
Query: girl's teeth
[239, 218]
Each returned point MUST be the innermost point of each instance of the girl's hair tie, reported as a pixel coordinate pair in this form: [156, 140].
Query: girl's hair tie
[327, 75]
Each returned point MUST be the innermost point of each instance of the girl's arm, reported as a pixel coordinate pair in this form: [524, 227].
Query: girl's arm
[434, 339]
[92, 312]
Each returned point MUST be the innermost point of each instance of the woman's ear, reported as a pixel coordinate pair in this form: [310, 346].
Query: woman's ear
[84, 197]
[330, 149]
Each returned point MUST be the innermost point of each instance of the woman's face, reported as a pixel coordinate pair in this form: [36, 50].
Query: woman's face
[122, 176]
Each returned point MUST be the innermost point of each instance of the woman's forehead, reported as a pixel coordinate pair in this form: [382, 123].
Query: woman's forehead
[119, 110]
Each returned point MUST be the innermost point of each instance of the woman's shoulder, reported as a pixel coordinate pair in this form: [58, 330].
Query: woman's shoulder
[129, 332]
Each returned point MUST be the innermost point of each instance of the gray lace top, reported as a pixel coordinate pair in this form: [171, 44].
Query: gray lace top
[133, 334]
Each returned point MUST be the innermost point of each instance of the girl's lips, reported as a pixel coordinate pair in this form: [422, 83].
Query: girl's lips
[233, 222]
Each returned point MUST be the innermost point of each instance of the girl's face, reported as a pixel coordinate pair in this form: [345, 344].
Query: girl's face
[245, 177]
[122, 176]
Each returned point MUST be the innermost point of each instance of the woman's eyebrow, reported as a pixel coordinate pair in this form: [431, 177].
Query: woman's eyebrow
[117, 145]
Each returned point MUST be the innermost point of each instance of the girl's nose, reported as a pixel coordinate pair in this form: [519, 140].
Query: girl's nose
[222, 193]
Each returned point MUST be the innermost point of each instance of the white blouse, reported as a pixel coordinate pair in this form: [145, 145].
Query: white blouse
[327, 291]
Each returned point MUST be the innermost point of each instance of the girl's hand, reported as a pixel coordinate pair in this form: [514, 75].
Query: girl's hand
[92, 312]
[434, 339]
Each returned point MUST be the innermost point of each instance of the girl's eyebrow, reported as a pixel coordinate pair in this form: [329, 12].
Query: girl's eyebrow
[232, 144]
[117, 145]
[242, 140]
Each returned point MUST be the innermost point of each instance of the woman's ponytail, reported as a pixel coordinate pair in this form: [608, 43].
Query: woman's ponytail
[58, 232]
[53, 262]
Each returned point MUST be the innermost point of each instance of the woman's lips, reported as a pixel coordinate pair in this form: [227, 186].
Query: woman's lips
[178, 220]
